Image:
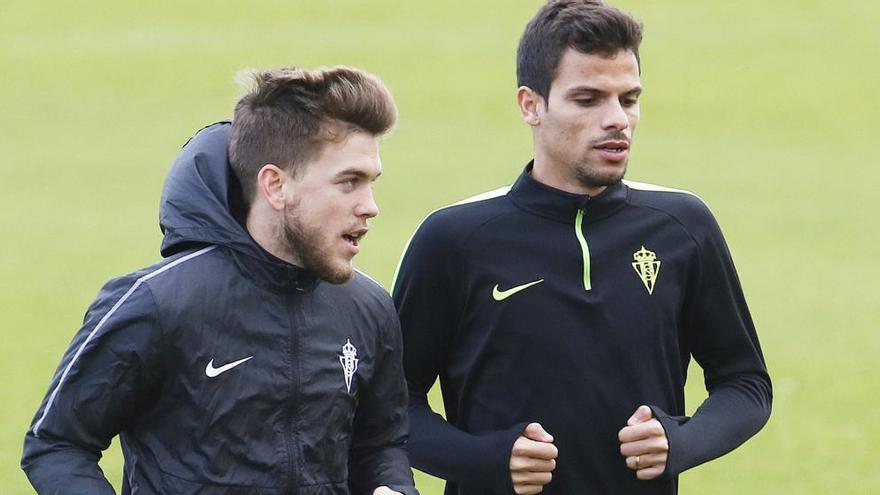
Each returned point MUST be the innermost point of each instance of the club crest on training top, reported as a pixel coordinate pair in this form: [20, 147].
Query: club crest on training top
[647, 266]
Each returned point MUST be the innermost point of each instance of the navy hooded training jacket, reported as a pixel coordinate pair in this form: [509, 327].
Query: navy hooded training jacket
[225, 370]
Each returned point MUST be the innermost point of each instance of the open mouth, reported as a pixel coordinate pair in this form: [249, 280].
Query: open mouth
[355, 236]
[614, 151]
[613, 146]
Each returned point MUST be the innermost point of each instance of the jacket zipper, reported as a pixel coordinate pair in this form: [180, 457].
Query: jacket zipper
[585, 248]
[290, 441]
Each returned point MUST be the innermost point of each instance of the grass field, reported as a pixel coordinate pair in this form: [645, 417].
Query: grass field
[766, 109]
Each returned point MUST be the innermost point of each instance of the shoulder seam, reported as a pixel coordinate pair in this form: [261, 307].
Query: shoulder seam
[494, 193]
[644, 186]
[137, 283]
[678, 221]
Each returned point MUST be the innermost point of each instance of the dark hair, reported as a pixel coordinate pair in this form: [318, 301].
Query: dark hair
[589, 26]
[288, 114]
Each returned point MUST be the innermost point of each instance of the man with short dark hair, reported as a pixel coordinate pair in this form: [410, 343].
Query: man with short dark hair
[254, 358]
[561, 313]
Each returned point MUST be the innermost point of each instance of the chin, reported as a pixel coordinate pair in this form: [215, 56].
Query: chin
[336, 274]
[598, 179]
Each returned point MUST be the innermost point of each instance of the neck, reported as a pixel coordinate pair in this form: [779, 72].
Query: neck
[268, 233]
[551, 174]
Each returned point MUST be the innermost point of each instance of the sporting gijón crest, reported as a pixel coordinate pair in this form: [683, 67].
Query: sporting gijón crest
[349, 362]
[647, 266]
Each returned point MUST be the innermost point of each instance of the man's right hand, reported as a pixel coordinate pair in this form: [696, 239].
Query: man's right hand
[532, 460]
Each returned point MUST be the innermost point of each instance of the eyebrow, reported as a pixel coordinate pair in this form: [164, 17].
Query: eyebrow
[357, 173]
[636, 91]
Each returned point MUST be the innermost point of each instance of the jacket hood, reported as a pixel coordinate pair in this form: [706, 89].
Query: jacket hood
[196, 209]
[195, 204]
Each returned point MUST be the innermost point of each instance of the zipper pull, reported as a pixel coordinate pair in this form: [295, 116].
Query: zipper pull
[585, 203]
[585, 248]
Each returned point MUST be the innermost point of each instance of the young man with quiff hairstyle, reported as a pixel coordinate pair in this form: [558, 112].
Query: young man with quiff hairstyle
[253, 358]
[560, 314]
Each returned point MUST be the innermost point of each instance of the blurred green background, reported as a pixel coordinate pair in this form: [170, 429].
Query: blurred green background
[766, 109]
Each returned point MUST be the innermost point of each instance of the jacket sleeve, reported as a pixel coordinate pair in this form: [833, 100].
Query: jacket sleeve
[425, 296]
[378, 454]
[722, 339]
[101, 383]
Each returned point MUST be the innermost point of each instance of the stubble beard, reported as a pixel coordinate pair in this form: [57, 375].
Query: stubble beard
[588, 177]
[308, 244]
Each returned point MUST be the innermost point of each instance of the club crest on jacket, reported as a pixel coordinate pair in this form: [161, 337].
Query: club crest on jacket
[349, 362]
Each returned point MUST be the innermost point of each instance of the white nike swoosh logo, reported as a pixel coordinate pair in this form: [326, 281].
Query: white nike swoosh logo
[211, 371]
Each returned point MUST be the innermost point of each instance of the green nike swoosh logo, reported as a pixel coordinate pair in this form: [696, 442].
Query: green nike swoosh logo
[500, 295]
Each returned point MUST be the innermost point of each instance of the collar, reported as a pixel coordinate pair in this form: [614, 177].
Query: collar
[549, 202]
[273, 273]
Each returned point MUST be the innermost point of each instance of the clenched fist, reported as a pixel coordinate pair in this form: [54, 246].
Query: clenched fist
[644, 444]
[532, 460]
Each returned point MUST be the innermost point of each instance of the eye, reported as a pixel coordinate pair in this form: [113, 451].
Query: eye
[629, 102]
[585, 102]
[348, 184]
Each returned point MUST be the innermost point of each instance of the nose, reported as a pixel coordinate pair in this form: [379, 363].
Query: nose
[615, 117]
[367, 206]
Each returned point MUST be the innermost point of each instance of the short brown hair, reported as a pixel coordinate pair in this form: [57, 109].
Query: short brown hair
[288, 114]
[589, 26]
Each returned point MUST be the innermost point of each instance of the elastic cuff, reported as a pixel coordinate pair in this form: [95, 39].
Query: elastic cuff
[671, 425]
[502, 443]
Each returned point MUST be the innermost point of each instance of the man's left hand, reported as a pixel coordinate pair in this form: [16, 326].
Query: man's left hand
[384, 490]
[644, 444]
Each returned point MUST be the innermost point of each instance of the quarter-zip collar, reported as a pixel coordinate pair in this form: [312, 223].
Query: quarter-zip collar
[549, 202]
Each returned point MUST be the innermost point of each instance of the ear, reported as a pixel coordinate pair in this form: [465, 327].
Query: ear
[530, 105]
[270, 185]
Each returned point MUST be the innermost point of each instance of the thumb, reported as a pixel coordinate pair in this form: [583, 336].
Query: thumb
[536, 432]
[642, 414]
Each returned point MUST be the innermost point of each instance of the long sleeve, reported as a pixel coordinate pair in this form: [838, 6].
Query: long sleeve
[378, 454]
[424, 294]
[101, 383]
[723, 341]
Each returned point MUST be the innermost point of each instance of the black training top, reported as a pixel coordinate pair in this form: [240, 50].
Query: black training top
[533, 304]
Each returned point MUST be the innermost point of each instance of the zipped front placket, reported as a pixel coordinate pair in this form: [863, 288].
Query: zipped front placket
[292, 407]
[585, 248]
